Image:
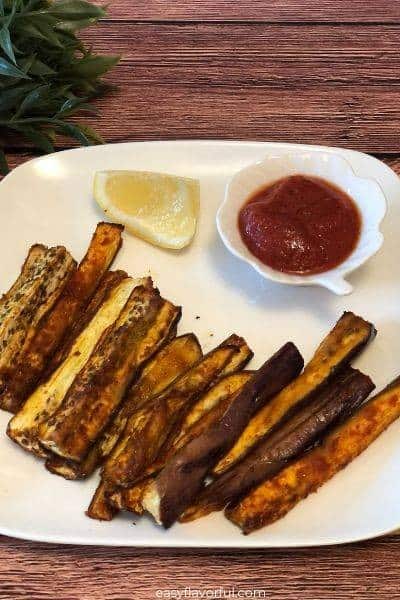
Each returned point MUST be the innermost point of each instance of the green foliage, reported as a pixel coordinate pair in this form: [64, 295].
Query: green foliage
[46, 73]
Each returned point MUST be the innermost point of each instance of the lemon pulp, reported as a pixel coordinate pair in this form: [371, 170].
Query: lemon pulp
[159, 208]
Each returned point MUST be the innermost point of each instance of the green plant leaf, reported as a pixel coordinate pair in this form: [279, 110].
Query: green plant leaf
[26, 63]
[32, 99]
[47, 74]
[49, 33]
[91, 134]
[92, 66]
[76, 10]
[12, 96]
[6, 44]
[4, 168]
[76, 25]
[70, 104]
[73, 131]
[15, 5]
[38, 67]
[31, 5]
[28, 30]
[38, 138]
[9, 70]
[42, 27]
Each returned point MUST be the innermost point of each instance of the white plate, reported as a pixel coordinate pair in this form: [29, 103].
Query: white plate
[49, 200]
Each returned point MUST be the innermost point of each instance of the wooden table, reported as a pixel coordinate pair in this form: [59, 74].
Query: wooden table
[311, 71]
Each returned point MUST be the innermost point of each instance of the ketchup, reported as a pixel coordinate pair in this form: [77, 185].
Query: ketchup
[300, 225]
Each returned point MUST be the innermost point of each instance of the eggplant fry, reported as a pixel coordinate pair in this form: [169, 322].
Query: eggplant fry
[191, 414]
[24, 426]
[148, 428]
[181, 479]
[208, 400]
[214, 403]
[273, 499]
[42, 280]
[342, 396]
[170, 362]
[242, 357]
[129, 499]
[36, 254]
[349, 336]
[70, 469]
[107, 283]
[100, 508]
[56, 323]
[225, 387]
[107, 501]
[206, 411]
[142, 327]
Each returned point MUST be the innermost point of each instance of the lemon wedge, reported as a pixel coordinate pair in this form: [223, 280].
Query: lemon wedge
[161, 209]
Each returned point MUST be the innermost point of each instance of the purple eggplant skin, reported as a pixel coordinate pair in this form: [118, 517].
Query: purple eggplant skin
[183, 475]
[305, 428]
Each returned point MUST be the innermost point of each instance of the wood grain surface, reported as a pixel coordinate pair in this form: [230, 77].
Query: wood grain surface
[315, 83]
[368, 571]
[318, 71]
[271, 11]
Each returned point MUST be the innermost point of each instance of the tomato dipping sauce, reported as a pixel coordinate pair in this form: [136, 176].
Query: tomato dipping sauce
[300, 225]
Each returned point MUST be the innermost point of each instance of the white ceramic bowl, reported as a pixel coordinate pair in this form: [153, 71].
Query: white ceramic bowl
[366, 193]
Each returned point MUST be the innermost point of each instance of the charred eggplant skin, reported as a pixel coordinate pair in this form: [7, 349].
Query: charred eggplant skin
[148, 428]
[25, 306]
[273, 499]
[170, 362]
[107, 283]
[99, 388]
[347, 338]
[182, 477]
[100, 508]
[305, 428]
[56, 324]
[25, 425]
[222, 395]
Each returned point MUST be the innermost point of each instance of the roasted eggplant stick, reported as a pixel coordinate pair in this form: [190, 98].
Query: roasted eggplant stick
[176, 486]
[42, 280]
[107, 283]
[225, 387]
[232, 380]
[219, 398]
[191, 414]
[148, 428]
[242, 357]
[36, 254]
[99, 388]
[170, 362]
[107, 501]
[129, 499]
[206, 411]
[337, 400]
[213, 404]
[210, 406]
[24, 426]
[56, 323]
[100, 507]
[350, 334]
[275, 498]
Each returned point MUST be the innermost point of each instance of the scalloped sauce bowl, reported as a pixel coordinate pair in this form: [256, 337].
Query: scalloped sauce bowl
[366, 194]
